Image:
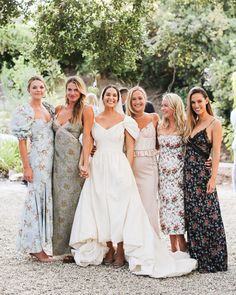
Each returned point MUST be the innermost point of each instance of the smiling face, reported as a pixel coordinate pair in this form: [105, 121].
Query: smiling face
[138, 101]
[36, 89]
[166, 110]
[110, 97]
[199, 103]
[72, 93]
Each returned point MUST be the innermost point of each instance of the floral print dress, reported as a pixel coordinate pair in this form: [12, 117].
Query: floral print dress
[36, 228]
[171, 194]
[67, 183]
[205, 229]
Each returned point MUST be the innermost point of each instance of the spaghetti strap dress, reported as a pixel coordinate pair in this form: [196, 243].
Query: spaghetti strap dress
[146, 172]
[205, 229]
[67, 183]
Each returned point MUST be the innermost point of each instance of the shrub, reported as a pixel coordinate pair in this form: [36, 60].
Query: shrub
[9, 157]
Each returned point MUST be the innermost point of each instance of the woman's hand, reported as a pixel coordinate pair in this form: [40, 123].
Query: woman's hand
[93, 151]
[211, 185]
[28, 174]
[84, 171]
[208, 163]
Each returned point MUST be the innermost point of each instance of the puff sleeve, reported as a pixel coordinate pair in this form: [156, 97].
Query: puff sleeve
[21, 122]
[131, 126]
[49, 108]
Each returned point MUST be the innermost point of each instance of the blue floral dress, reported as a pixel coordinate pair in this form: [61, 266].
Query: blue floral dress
[36, 228]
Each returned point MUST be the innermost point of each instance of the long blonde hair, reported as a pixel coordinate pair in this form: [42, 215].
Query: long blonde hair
[129, 109]
[79, 105]
[191, 115]
[176, 104]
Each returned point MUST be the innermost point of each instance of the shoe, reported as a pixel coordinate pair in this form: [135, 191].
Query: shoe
[68, 259]
[109, 261]
[48, 259]
[119, 264]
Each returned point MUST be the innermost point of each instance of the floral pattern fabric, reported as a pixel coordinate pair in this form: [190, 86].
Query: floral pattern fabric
[36, 229]
[67, 183]
[205, 229]
[171, 194]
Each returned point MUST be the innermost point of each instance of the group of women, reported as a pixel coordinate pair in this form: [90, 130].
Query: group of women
[105, 207]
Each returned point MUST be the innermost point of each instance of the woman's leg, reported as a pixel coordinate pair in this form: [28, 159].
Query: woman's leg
[109, 256]
[173, 243]
[182, 245]
[120, 256]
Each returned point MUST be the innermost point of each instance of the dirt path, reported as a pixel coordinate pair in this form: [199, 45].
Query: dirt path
[19, 275]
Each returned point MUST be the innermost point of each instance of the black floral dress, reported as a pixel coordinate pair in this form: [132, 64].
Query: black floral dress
[205, 229]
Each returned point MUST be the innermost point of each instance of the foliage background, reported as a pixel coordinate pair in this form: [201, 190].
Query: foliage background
[164, 45]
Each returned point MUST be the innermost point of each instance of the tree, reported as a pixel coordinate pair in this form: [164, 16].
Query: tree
[106, 36]
[8, 10]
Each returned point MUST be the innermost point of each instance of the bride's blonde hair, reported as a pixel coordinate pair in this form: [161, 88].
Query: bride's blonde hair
[176, 104]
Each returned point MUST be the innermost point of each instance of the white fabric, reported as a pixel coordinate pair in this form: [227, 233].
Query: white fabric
[233, 122]
[110, 209]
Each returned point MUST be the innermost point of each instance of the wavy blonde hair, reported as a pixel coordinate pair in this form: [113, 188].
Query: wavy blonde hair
[176, 104]
[92, 99]
[129, 109]
[35, 78]
[79, 105]
[191, 115]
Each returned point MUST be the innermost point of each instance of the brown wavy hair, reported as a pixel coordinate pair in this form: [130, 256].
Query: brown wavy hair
[191, 115]
[77, 112]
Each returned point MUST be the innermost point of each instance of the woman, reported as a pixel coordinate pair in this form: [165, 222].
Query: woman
[206, 235]
[70, 120]
[171, 138]
[145, 153]
[34, 121]
[110, 209]
[92, 99]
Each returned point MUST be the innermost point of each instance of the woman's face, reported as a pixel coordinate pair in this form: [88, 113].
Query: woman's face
[166, 110]
[37, 89]
[72, 93]
[138, 101]
[199, 103]
[110, 98]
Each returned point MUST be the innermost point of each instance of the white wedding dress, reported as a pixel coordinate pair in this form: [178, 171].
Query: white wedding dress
[110, 209]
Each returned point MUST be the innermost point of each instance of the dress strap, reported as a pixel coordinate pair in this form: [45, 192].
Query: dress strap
[210, 123]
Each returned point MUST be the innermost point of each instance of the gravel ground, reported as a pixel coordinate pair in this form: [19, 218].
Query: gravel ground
[22, 275]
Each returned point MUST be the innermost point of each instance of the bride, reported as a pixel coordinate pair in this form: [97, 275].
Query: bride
[110, 209]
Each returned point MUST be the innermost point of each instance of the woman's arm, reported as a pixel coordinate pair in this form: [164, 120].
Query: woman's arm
[88, 119]
[216, 144]
[155, 119]
[129, 144]
[28, 173]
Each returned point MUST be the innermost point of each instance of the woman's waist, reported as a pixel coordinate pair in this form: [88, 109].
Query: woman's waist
[145, 152]
[103, 149]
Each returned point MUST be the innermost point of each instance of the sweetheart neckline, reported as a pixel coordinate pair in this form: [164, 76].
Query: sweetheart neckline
[109, 127]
